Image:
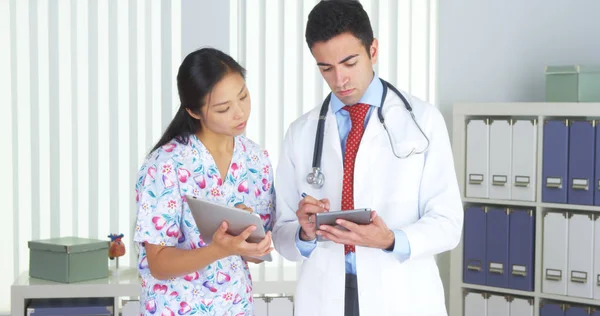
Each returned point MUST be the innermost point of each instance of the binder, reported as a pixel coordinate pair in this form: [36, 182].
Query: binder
[581, 252]
[477, 159]
[596, 277]
[498, 306]
[576, 311]
[555, 161]
[552, 309]
[554, 265]
[524, 155]
[475, 304]
[521, 307]
[497, 247]
[500, 159]
[521, 249]
[596, 184]
[582, 142]
[474, 261]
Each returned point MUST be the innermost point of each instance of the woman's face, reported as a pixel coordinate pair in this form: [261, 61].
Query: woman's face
[227, 107]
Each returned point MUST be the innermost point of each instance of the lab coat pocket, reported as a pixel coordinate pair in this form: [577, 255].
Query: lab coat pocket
[399, 178]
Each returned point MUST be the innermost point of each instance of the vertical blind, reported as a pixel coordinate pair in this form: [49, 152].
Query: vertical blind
[86, 87]
[267, 38]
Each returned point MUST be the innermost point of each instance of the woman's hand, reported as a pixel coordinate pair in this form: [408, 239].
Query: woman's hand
[229, 245]
[245, 208]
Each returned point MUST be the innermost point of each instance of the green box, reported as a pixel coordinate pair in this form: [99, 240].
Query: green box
[589, 83]
[68, 259]
[562, 84]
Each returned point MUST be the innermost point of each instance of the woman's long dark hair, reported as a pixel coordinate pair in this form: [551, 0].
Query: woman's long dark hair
[199, 72]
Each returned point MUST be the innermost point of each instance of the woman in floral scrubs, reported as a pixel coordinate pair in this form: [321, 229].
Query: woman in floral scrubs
[202, 153]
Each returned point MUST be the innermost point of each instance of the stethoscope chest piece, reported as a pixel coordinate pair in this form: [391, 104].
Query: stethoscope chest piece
[316, 178]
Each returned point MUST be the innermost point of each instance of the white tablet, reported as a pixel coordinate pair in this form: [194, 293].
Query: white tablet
[358, 216]
[209, 215]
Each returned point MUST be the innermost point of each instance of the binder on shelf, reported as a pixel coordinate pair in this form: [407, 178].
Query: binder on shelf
[475, 303]
[576, 310]
[582, 150]
[474, 252]
[477, 159]
[521, 249]
[498, 306]
[555, 161]
[552, 309]
[500, 159]
[497, 247]
[596, 276]
[521, 307]
[554, 258]
[596, 185]
[581, 253]
[524, 143]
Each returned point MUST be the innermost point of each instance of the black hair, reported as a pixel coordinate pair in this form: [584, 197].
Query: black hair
[198, 74]
[334, 17]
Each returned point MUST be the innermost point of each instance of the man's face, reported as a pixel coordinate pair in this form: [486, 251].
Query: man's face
[346, 66]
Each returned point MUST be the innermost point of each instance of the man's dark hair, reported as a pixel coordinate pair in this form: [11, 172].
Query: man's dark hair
[334, 17]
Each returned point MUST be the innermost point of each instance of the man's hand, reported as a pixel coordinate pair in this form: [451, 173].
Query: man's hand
[374, 235]
[307, 208]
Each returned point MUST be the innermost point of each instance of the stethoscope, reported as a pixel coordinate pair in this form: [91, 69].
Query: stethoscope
[316, 177]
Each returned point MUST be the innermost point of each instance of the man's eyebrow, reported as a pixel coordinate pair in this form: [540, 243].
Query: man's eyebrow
[341, 61]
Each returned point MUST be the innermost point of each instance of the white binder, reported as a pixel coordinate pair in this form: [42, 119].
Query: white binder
[477, 159]
[281, 306]
[500, 159]
[498, 306]
[521, 307]
[581, 253]
[596, 277]
[524, 149]
[475, 304]
[554, 262]
[261, 307]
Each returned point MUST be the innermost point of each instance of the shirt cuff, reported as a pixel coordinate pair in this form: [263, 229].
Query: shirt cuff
[401, 245]
[305, 247]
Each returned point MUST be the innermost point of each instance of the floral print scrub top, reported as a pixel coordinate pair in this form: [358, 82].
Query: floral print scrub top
[185, 166]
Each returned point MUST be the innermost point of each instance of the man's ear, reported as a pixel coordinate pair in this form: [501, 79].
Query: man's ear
[374, 50]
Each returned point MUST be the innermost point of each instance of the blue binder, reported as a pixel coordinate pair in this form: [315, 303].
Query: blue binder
[497, 223]
[596, 184]
[552, 309]
[474, 269]
[521, 250]
[555, 161]
[582, 142]
[577, 311]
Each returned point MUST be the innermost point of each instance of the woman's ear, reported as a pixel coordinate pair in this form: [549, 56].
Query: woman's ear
[192, 114]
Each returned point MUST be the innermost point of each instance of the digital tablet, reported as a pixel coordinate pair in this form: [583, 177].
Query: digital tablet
[209, 215]
[359, 216]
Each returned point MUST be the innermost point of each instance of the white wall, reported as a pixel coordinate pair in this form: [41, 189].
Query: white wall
[204, 23]
[497, 51]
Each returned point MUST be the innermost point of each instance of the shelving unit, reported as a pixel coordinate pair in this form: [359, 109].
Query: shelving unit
[541, 111]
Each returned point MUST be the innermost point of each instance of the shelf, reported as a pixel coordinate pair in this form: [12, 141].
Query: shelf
[499, 290]
[575, 207]
[570, 299]
[500, 202]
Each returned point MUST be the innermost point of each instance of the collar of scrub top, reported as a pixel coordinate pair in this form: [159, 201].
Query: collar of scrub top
[372, 96]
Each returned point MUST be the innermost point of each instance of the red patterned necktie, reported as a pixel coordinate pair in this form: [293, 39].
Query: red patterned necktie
[357, 117]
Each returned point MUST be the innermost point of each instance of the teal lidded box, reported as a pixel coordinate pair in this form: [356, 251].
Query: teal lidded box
[574, 83]
[68, 259]
[562, 83]
[589, 83]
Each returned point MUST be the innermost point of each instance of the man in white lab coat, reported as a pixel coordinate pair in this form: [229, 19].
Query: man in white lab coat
[403, 171]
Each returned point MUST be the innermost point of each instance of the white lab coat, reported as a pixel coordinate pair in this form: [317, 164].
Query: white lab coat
[418, 195]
